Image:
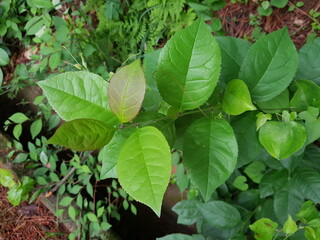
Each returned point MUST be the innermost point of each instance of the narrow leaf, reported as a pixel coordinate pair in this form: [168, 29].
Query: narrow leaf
[126, 91]
[83, 135]
[189, 67]
[147, 155]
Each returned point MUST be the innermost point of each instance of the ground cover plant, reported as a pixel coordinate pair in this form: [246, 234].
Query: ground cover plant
[238, 119]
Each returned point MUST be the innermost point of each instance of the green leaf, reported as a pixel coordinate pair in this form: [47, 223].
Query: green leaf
[4, 58]
[83, 135]
[233, 52]
[290, 226]
[309, 57]
[312, 123]
[43, 3]
[18, 118]
[188, 212]
[262, 119]
[109, 153]
[176, 236]
[76, 95]
[264, 229]
[237, 98]
[307, 181]
[36, 127]
[14, 195]
[240, 183]
[282, 139]
[55, 60]
[270, 65]
[210, 154]
[255, 171]
[246, 135]
[220, 214]
[276, 104]
[307, 94]
[147, 154]
[66, 201]
[6, 178]
[279, 3]
[309, 233]
[92, 217]
[189, 67]
[1, 77]
[273, 181]
[126, 91]
[17, 130]
[72, 213]
[307, 212]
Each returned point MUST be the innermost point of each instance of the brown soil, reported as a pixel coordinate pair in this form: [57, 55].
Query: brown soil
[27, 222]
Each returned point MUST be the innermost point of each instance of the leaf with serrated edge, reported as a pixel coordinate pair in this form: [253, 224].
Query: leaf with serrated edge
[126, 91]
[75, 95]
[189, 67]
[144, 167]
[270, 65]
[83, 135]
[210, 153]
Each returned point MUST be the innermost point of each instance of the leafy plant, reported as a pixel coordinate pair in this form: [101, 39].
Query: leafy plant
[228, 108]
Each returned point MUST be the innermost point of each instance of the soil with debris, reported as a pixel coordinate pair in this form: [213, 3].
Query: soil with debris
[27, 222]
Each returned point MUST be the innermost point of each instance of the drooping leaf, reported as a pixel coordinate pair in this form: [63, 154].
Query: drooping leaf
[270, 65]
[83, 134]
[188, 211]
[233, 52]
[264, 229]
[210, 154]
[307, 94]
[144, 166]
[282, 139]
[220, 214]
[309, 58]
[189, 67]
[307, 181]
[237, 98]
[126, 91]
[246, 135]
[75, 95]
[109, 153]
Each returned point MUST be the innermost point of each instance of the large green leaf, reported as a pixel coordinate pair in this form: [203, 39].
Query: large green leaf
[270, 65]
[307, 180]
[309, 58]
[109, 153]
[83, 134]
[220, 214]
[189, 67]
[126, 91]
[233, 52]
[210, 153]
[307, 94]
[246, 135]
[144, 166]
[282, 139]
[237, 98]
[76, 95]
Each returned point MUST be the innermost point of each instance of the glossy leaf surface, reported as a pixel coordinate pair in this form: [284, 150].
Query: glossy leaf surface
[189, 67]
[210, 154]
[144, 166]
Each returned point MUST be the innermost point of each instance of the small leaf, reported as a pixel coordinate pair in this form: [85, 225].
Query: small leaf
[262, 119]
[18, 118]
[36, 127]
[264, 229]
[290, 226]
[6, 178]
[17, 130]
[55, 60]
[14, 195]
[4, 58]
[240, 183]
[210, 154]
[66, 201]
[237, 98]
[282, 139]
[255, 171]
[126, 91]
[147, 154]
[83, 134]
[92, 217]
[72, 213]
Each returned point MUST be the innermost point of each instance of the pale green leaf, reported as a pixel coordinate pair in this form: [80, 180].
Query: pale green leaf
[17, 131]
[15, 195]
[270, 65]
[237, 98]
[147, 155]
[7, 178]
[189, 67]
[18, 118]
[36, 127]
[92, 217]
[83, 135]
[210, 154]
[55, 60]
[4, 58]
[282, 139]
[42, 3]
[262, 119]
[264, 229]
[76, 95]
[290, 226]
[66, 201]
[72, 213]
[126, 91]
[307, 212]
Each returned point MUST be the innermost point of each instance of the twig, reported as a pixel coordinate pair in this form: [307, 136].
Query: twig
[66, 177]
